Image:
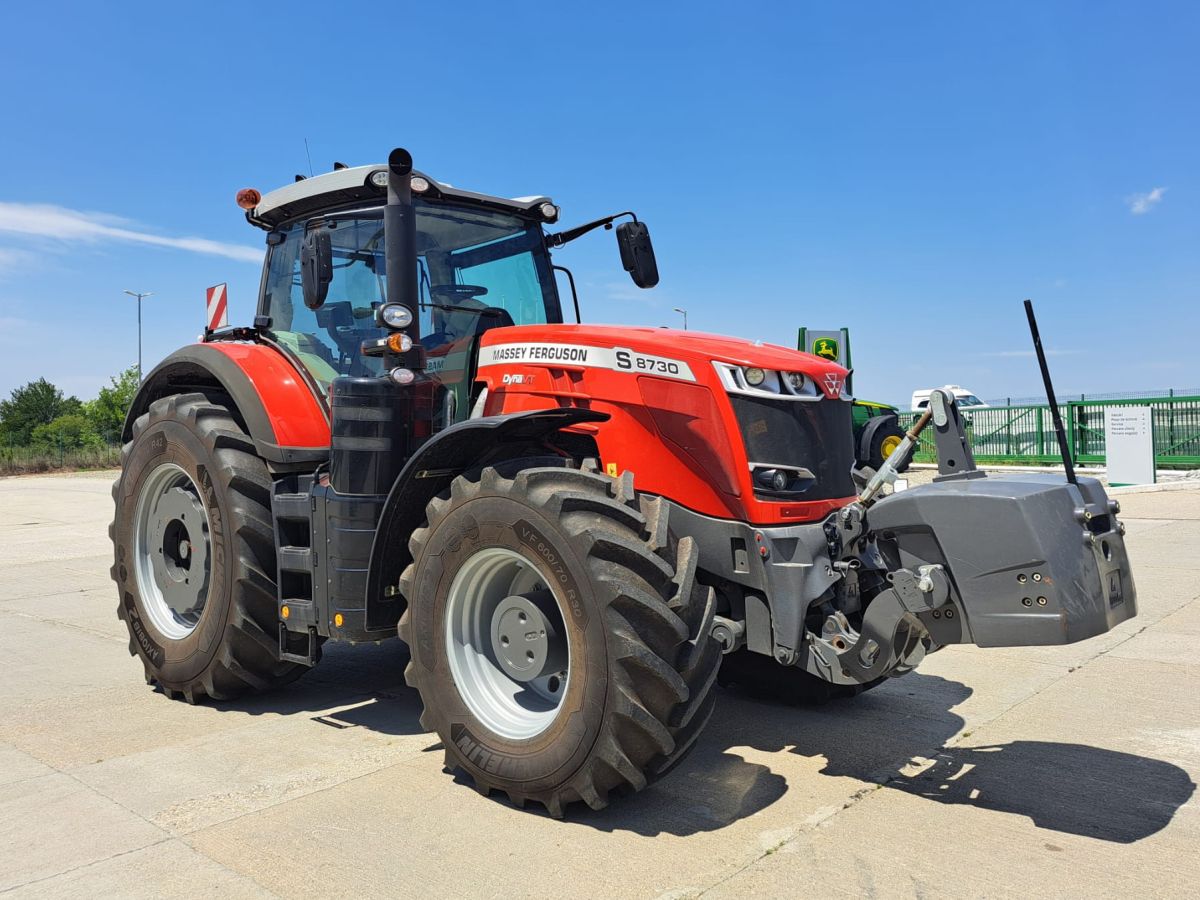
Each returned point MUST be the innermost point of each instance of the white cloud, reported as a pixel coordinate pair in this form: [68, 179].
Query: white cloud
[1140, 204]
[38, 220]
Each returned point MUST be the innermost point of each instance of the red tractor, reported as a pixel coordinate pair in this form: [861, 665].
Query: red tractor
[574, 528]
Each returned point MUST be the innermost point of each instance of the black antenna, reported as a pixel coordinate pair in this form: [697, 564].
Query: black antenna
[1054, 413]
[309, 155]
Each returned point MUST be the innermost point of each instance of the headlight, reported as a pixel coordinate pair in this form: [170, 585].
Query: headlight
[402, 376]
[795, 381]
[395, 315]
[754, 376]
[772, 479]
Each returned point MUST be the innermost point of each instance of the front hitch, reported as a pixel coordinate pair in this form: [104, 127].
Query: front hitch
[996, 561]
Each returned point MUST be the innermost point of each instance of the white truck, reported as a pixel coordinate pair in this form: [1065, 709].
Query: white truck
[962, 397]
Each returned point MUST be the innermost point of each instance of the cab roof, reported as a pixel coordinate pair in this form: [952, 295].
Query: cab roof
[352, 186]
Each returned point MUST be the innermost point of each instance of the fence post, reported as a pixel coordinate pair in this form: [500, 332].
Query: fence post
[1170, 421]
[1072, 434]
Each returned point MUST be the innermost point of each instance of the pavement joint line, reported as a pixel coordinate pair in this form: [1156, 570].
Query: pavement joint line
[882, 779]
[95, 862]
[93, 632]
[99, 793]
[49, 594]
[185, 835]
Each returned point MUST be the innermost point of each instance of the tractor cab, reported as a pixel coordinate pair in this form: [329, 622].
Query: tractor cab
[482, 264]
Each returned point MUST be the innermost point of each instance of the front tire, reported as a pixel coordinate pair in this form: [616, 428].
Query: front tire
[195, 553]
[580, 555]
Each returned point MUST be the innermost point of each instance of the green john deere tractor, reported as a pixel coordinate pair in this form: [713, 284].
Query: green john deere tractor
[877, 432]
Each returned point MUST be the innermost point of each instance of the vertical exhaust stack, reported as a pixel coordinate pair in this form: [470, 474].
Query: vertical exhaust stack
[400, 237]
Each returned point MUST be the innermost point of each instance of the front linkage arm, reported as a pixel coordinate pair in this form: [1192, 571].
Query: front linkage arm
[1036, 560]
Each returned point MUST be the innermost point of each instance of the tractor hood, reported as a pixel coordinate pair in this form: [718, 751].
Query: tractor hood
[534, 344]
[687, 413]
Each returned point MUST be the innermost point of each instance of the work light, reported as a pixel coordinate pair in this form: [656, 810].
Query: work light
[395, 315]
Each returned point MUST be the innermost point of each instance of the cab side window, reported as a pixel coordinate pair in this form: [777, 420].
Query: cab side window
[327, 341]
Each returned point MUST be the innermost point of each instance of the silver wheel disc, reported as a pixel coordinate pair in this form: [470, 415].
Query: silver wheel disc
[506, 643]
[171, 551]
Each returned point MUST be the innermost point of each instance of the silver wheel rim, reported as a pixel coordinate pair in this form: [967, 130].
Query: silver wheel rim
[493, 588]
[171, 551]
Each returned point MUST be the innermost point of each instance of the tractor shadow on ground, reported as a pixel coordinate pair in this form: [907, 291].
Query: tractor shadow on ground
[352, 687]
[735, 770]
[872, 739]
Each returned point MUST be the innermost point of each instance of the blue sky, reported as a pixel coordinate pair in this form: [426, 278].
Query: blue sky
[911, 170]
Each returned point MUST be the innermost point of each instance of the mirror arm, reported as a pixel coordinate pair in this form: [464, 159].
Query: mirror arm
[565, 237]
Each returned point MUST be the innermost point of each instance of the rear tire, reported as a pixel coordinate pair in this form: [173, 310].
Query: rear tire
[880, 436]
[198, 595]
[640, 663]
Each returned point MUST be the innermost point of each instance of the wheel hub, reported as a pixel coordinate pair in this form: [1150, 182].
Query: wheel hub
[506, 643]
[524, 638]
[172, 551]
[179, 563]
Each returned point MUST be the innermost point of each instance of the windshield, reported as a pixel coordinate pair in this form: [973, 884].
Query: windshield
[478, 269]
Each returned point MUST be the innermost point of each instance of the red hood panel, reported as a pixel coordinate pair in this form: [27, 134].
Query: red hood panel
[671, 420]
[693, 346]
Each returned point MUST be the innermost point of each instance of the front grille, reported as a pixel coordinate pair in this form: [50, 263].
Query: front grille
[815, 435]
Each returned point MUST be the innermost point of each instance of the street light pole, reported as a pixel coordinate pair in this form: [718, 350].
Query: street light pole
[682, 312]
[140, 295]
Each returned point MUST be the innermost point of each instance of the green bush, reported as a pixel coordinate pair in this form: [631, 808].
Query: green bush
[31, 405]
[107, 411]
[42, 430]
[70, 432]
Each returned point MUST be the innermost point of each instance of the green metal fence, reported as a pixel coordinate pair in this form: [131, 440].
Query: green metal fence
[1025, 434]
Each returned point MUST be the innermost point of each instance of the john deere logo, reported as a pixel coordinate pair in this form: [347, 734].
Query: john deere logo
[826, 348]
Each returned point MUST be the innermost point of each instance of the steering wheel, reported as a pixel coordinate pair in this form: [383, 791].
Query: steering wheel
[457, 291]
[435, 339]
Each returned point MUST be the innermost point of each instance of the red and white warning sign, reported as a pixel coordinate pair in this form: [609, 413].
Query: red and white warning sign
[218, 307]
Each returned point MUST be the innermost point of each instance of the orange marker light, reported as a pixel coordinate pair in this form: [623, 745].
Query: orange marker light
[338, 620]
[285, 612]
[399, 342]
[248, 198]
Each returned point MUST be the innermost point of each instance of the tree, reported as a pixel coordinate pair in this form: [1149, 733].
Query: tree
[31, 405]
[107, 412]
[70, 432]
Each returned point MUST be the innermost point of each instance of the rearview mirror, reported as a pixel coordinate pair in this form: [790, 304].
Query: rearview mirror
[637, 253]
[316, 266]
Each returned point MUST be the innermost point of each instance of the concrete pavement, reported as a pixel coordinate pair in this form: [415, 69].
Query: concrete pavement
[1063, 771]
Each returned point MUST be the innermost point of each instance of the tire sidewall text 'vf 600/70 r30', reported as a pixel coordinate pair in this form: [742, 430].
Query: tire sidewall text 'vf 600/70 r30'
[195, 554]
[577, 568]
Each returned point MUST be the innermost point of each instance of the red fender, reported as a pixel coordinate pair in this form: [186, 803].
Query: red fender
[287, 420]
